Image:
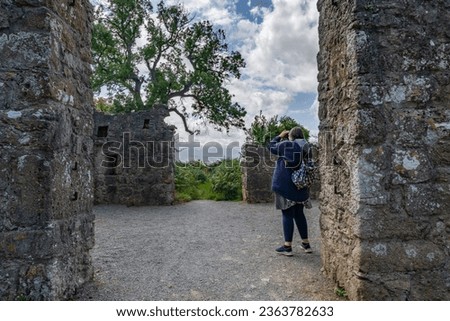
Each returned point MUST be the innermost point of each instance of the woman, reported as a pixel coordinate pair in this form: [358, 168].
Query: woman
[288, 198]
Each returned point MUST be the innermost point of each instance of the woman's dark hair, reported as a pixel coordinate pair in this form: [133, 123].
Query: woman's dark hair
[295, 133]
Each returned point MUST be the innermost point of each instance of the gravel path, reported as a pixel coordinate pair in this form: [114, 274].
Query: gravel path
[202, 250]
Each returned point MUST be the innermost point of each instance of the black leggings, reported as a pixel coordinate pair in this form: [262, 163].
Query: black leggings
[294, 213]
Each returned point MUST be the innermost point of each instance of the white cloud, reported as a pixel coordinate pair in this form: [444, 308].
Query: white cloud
[255, 99]
[259, 11]
[244, 32]
[220, 16]
[284, 52]
[218, 12]
[314, 109]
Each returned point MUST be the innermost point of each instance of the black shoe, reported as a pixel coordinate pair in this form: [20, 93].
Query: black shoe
[284, 250]
[306, 247]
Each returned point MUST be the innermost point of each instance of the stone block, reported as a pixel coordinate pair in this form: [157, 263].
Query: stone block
[434, 285]
[25, 49]
[381, 287]
[440, 153]
[9, 274]
[19, 245]
[399, 256]
[374, 225]
[427, 198]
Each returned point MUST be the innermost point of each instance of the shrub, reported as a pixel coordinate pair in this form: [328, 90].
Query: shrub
[219, 181]
[226, 180]
[185, 183]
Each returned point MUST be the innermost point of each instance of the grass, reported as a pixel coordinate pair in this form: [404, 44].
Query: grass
[206, 192]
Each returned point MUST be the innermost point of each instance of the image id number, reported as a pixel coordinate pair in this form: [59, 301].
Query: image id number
[295, 311]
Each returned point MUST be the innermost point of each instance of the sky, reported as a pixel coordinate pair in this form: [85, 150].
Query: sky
[279, 41]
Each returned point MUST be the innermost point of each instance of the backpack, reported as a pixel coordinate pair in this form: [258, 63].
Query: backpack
[305, 175]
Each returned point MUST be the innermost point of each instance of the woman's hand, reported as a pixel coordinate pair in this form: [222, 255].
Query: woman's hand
[284, 133]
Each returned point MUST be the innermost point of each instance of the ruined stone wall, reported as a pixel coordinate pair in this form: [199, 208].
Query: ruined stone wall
[134, 158]
[257, 168]
[46, 221]
[384, 94]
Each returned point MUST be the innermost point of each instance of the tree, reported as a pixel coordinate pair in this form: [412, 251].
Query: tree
[164, 57]
[262, 130]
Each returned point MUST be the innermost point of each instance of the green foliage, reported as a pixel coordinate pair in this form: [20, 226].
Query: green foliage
[341, 292]
[184, 60]
[104, 105]
[226, 180]
[262, 130]
[185, 182]
[219, 181]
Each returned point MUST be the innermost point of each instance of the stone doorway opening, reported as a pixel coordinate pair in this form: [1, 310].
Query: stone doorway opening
[384, 91]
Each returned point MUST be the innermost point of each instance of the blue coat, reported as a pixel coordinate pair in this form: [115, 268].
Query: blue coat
[290, 156]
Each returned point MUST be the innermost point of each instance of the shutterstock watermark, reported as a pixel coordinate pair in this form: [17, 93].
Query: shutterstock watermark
[131, 153]
[210, 152]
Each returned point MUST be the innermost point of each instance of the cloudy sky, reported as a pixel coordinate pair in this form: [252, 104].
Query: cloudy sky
[279, 41]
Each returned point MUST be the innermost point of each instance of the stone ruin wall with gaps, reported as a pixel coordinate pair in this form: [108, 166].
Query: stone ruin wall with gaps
[134, 158]
[46, 172]
[257, 167]
[384, 94]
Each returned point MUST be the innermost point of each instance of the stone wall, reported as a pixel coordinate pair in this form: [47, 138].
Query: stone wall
[134, 158]
[384, 90]
[46, 220]
[257, 170]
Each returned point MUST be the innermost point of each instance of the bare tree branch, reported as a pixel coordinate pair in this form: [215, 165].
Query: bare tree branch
[183, 118]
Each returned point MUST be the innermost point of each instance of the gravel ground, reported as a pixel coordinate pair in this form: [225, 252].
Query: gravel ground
[202, 251]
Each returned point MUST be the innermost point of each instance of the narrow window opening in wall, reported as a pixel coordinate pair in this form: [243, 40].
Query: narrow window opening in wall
[74, 196]
[75, 166]
[71, 3]
[146, 123]
[102, 131]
